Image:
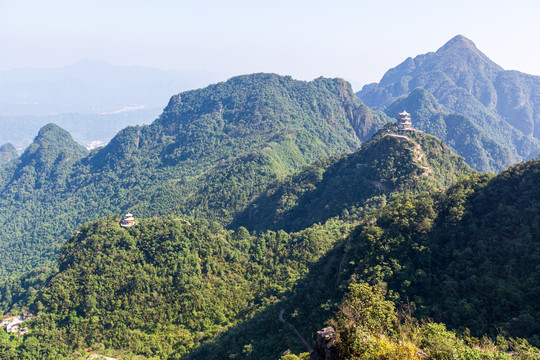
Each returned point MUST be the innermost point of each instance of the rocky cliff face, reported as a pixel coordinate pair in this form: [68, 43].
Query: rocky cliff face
[324, 348]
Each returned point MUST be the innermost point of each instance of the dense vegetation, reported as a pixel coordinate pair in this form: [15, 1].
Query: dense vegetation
[159, 288]
[169, 288]
[274, 227]
[414, 162]
[349, 185]
[369, 327]
[465, 256]
[209, 154]
[33, 200]
[504, 104]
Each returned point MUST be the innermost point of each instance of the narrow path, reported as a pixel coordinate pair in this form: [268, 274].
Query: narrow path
[184, 220]
[302, 339]
[417, 150]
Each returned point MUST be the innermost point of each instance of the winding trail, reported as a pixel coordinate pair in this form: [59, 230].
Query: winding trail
[417, 150]
[302, 339]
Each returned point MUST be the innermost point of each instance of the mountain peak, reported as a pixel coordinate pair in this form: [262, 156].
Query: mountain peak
[51, 141]
[54, 133]
[7, 153]
[8, 149]
[458, 42]
[461, 47]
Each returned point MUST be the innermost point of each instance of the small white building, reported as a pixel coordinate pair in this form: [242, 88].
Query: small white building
[128, 221]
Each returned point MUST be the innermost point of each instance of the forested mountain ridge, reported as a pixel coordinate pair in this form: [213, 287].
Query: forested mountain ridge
[259, 151]
[157, 289]
[33, 199]
[173, 288]
[460, 132]
[465, 256]
[387, 164]
[48, 159]
[505, 104]
[209, 153]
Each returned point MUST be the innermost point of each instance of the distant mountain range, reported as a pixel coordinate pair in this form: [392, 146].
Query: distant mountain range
[89, 130]
[499, 111]
[91, 87]
[92, 99]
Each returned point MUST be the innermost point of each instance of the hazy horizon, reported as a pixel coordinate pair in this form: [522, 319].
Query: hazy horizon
[358, 41]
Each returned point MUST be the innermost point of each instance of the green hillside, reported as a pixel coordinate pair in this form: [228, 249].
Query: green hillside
[113, 285]
[268, 208]
[349, 185]
[34, 202]
[158, 289]
[178, 288]
[209, 154]
[504, 104]
[465, 256]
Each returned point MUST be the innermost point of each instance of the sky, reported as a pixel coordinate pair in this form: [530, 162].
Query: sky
[356, 40]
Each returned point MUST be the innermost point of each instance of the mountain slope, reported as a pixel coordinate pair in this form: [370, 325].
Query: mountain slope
[465, 256]
[159, 289]
[464, 80]
[33, 201]
[209, 137]
[196, 279]
[49, 157]
[209, 153]
[91, 99]
[457, 67]
[389, 163]
[479, 149]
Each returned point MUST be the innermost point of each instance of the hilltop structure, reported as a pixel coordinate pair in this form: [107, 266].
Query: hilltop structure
[404, 121]
[128, 221]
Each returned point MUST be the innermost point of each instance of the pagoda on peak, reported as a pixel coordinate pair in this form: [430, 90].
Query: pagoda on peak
[404, 121]
[128, 221]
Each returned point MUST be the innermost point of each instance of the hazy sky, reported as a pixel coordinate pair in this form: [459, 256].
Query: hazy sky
[356, 40]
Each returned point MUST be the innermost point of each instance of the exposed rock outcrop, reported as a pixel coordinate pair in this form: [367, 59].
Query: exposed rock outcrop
[324, 348]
